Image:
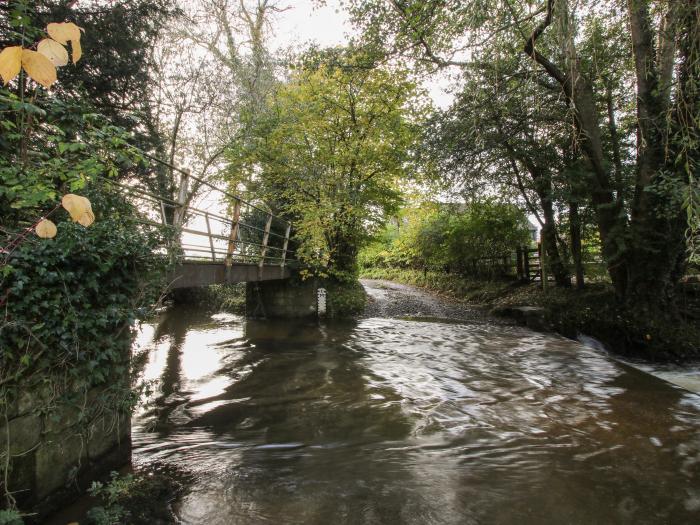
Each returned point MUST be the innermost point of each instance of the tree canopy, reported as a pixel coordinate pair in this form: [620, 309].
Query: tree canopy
[334, 144]
[597, 103]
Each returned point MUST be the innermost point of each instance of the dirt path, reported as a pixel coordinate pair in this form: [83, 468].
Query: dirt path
[390, 299]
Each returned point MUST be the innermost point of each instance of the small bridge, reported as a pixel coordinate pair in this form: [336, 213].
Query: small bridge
[231, 241]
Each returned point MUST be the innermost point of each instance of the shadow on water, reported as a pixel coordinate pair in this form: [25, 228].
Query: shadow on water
[406, 421]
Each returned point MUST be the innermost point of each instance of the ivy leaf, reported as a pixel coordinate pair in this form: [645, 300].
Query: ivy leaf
[54, 51]
[38, 67]
[46, 229]
[65, 32]
[10, 63]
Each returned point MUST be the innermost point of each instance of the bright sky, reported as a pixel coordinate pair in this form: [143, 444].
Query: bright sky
[329, 25]
[303, 23]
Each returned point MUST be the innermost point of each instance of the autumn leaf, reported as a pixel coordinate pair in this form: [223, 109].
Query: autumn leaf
[54, 51]
[64, 32]
[38, 67]
[10, 63]
[87, 218]
[46, 229]
[79, 208]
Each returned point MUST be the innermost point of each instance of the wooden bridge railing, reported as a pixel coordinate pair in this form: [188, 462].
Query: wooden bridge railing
[250, 235]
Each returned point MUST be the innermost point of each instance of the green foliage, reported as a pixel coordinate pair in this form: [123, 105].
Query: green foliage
[328, 154]
[10, 517]
[144, 497]
[345, 299]
[558, 129]
[70, 149]
[118, 39]
[467, 241]
[215, 298]
[65, 300]
[111, 512]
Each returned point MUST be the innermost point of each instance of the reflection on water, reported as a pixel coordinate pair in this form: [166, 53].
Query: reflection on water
[400, 421]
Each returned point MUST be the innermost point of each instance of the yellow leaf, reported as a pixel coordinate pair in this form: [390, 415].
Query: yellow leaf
[62, 32]
[38, 67]
[65, 32]
[10, 63]
[87, 218]
[46, 229]
[79, 208]
[54, 51]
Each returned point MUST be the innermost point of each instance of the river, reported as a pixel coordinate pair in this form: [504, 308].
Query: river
[410, 420]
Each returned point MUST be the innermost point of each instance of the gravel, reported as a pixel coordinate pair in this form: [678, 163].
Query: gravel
[389, 299]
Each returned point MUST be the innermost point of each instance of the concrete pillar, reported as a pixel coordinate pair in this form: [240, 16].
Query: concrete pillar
[287, 299]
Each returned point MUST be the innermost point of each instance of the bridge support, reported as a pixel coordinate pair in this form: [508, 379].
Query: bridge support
[288, 299]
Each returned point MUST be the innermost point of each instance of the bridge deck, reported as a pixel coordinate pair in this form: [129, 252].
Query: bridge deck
[192, 274]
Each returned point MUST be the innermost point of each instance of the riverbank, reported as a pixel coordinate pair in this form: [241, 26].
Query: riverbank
[593, 311]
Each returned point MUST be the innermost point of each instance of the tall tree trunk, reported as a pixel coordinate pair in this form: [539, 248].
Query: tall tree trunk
[556, 263]
[542, 183]
[657, 232]
[579, 93]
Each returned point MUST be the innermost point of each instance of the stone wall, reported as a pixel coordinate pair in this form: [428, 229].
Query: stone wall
[56, 449]
[290, 299]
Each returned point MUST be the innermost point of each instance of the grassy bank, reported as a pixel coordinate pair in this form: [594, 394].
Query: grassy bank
[593, 311]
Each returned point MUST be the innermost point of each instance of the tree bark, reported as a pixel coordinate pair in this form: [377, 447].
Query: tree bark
[579, 93]
[657, 229]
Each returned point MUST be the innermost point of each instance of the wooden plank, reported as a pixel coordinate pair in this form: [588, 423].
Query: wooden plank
[543, 266]
[233, 236]
[266, 238]
[195, 274]
[526, 261]
[211, 239]
[286, 244]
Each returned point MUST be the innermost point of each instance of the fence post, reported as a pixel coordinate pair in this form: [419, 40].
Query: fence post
[284, 248]
[526, 261]
[233, 235]
[263, 251]
[519, 263]
[211, 239]
[543, 266]
[179, 213]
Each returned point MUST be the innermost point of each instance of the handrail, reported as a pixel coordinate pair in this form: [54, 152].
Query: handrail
[219, 230]
[188, 174]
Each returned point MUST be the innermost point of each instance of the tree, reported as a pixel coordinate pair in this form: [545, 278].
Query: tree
[213, 73]
[119, 37]
[507, 133]
[334, 142]
[643, 237]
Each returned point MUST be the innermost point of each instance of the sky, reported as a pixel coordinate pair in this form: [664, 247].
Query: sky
[329, 25]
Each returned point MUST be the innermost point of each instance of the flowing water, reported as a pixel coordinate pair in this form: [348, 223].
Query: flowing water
[410, 421]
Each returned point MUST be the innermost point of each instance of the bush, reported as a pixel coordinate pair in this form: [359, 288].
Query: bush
[470, 241]
[345, 299]
[69, 302]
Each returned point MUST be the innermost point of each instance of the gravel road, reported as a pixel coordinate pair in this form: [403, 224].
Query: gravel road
[390, 299]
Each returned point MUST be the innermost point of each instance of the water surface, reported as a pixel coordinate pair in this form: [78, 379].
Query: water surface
[404, 421]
